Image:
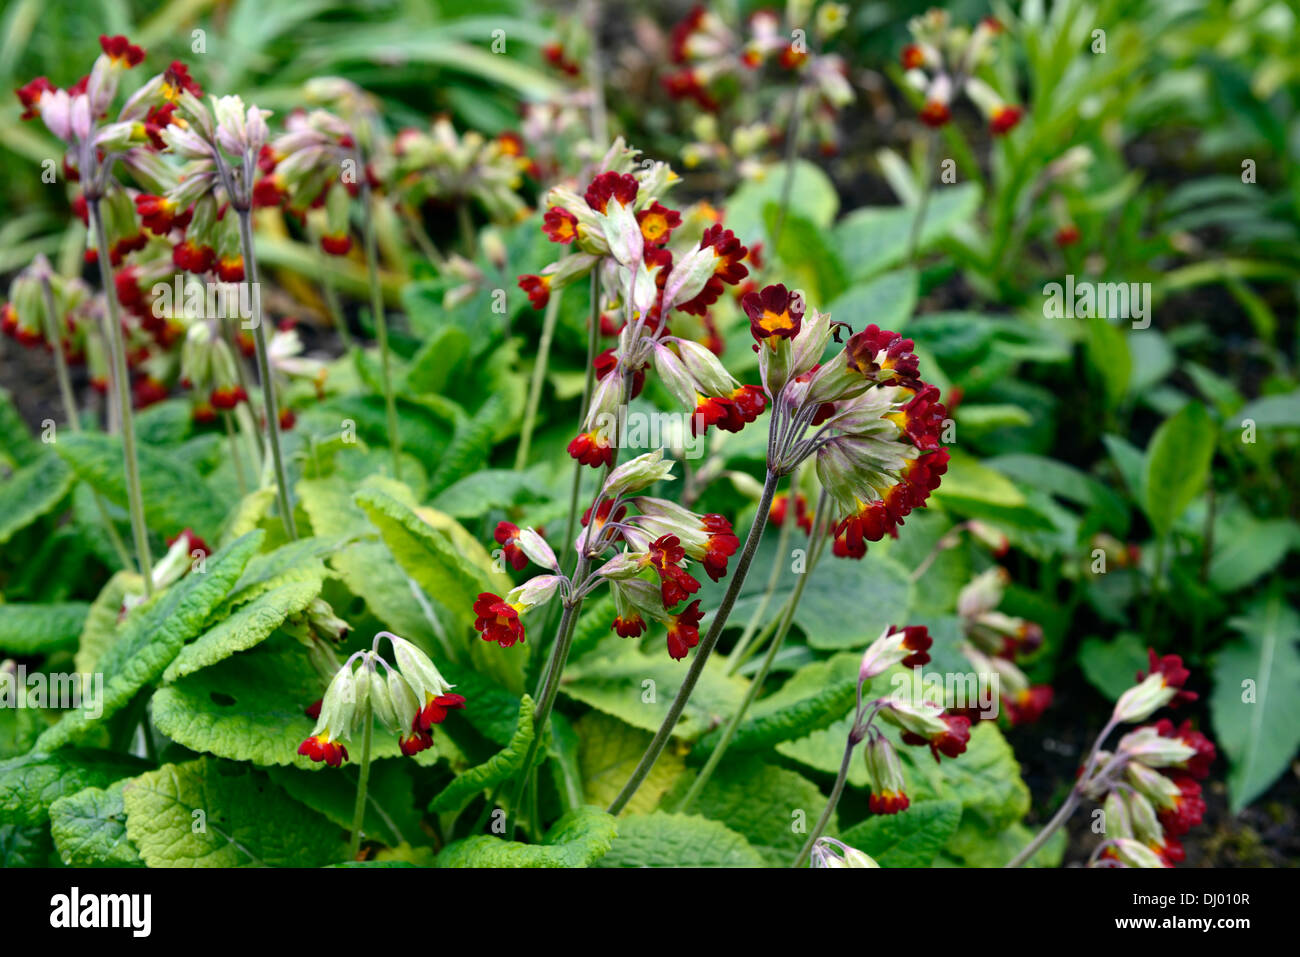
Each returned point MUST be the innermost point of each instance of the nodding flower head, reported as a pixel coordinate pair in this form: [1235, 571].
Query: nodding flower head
[908, 646]
[497, 620]
[697, 279]
[925, 723]
[1162, 686]
[684, 630]
[337, 716]
[432, 693]
[665, 556]
[828, 852]
[886, 773]
[592, 448]
[507, 536]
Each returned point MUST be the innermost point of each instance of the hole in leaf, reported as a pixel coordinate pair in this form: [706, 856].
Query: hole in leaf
[220, 698]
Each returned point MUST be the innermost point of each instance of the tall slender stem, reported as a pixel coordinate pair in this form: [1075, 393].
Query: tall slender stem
[705, 649]
[923, 201]
[122, 387]
[381, 327]
[756, 685]
[559, 656]
[70, 411]
[539, 378]
[269, 403]
[363, 783]
[833, 800]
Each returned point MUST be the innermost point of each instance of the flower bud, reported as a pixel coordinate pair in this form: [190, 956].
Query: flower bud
[886, 773]
[324, 622]
[638, 473]
[907, 645]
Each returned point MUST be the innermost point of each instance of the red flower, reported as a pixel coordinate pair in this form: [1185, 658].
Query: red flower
[158, 213]
[320, 748]
[156, 120]
[792, 59]
[912, 57]
[1198, 766]
[775, 313]
[950, 742]
[1067, 235]
[917, 640]
[231, 268]
[935, 113]
[121, 50]
[776, 514]
[1171, 670]
[592, 448]
[176, 78]
[607, 362]
[684, 631]
[684, 84]
[657, 223]
[497, 620]
[227, 396]
[560, 225]
[287, 419]
[313, 710]
[922, 418]
[507, 535]
[731, 412]
[620, 187]
[675, 583]
[888, 802]
[149, 391]
[721, 544]
[338, 245]
[538, 289]
[631, 627]
[875, 350]
[436, 707]
[188, 256]
[29, 95]
[194, 542]
[268, 192]
[728, 268]
[1028, 706]
[415, 742]
[1004, 118]
[1188, 809]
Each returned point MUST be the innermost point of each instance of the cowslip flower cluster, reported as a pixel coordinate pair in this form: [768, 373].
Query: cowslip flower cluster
[829, 852]
[619, 228]
[408, 699]
[711, 62]
[642, 547]
[941, 62]
[995, 641]
[441, 165]
[872, 423]
[920, 721]
[1149, 787]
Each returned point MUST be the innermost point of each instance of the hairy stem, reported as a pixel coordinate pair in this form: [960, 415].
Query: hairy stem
[381, 327]
[539, 378]
[363, 783]
[270, 405]
[833, 800]
[122, 388]
[705, 649]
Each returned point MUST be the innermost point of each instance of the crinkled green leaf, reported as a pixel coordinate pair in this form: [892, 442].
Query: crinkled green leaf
[252, 707]
[248, 626]
[175, 495]
[500, 767]
[773, 808]
[912, 838]
[31, 629]
[677, 840]
[206, 813]
[154, 635]
[475, 437]
[101, 625]
[31, 783]
[392, 816]
[639, 688]
[19, 446]
[579, 839]
[816, 697]
[985, 778]
[89, 828]
[609, 752]
[975, 845]
[31, 492]
[25, 846]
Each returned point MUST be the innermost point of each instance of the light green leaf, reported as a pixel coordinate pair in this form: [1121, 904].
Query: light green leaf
[32, 629]
[1112, 666]
[579, 839]
[829, 621]
[1255, 705]
[985, 778]
[101, 625]
[89, 828]
[974, 845]
[609, 752]
[175, 495]
[31, 492]
[912, 838]
[1108, 352]
[812, 194]
[871, 239]
[618, 686]
[154, 635]
[31, 783]
[392, 816]
[500, 767]
[247, 820]
[1177, 465]
[247, 627]
[659, 839]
